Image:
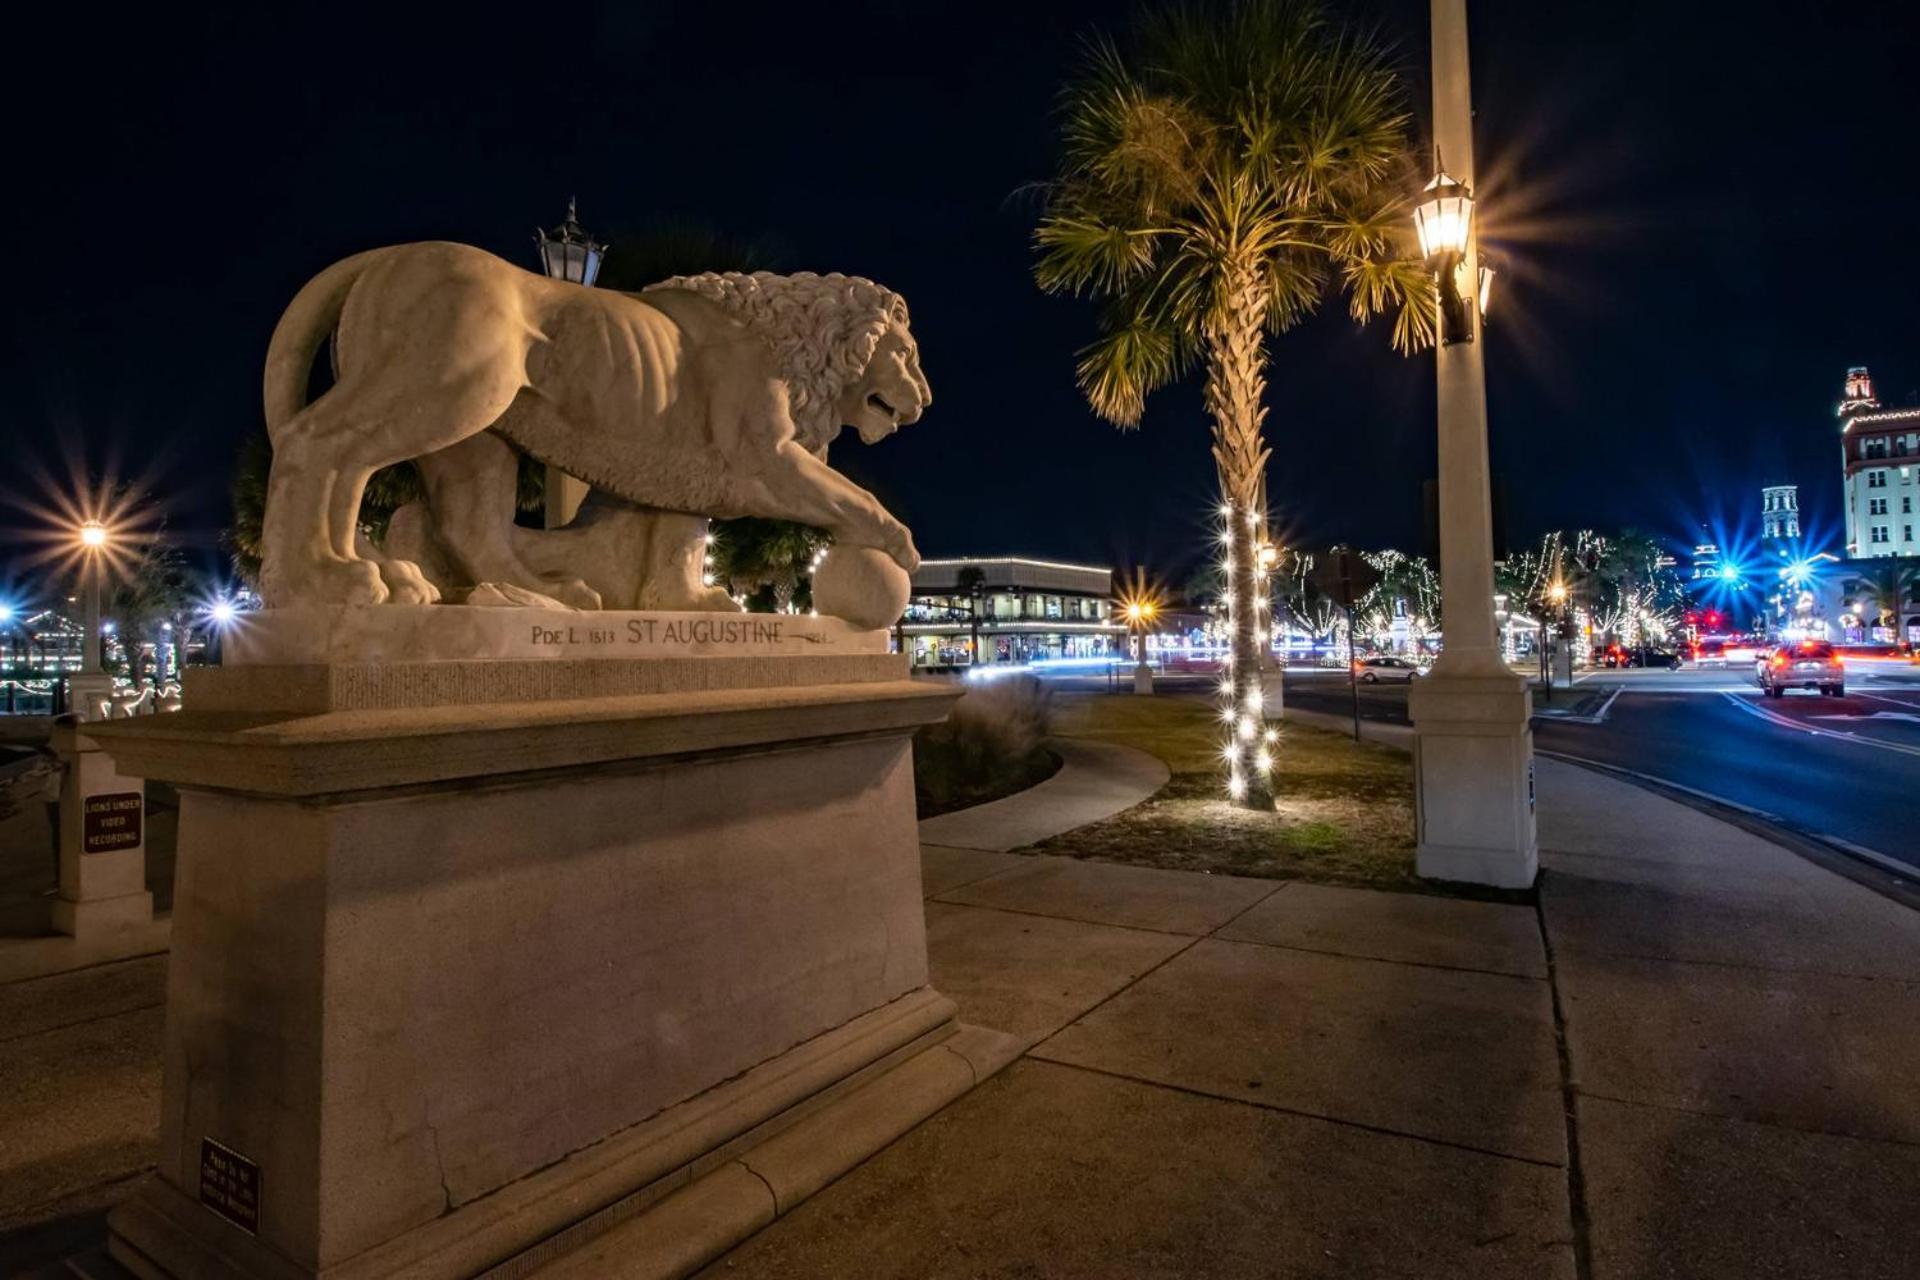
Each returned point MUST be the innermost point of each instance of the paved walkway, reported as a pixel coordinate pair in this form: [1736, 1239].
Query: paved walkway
[1696, 1058]
[1095, 780]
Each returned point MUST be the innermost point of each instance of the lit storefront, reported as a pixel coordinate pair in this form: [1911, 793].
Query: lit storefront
[1017, 610]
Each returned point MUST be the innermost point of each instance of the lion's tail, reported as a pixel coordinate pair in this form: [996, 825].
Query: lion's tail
[307, 323]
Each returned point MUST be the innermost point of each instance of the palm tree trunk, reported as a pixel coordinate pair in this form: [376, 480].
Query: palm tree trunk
[1236, 384]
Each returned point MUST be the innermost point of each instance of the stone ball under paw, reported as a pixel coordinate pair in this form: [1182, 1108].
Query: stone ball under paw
[861, 585]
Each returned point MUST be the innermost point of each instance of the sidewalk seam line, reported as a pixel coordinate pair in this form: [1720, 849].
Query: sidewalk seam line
[1276, 1108]
[1192, 941]
[1349, 955]
[1579, 1219]
[1908, 1143]
[955, 888]
[1745, 968]
[1098, 924]
[81, 1022]
[1041, 915]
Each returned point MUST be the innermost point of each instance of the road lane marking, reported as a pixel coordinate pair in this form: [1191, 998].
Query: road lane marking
[1881, 697]
[1875, 715]
[1790, 723]
[1564, 717]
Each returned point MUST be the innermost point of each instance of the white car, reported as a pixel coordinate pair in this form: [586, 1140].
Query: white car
[1375, 670]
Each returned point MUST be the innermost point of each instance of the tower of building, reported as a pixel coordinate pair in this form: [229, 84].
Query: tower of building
[1880, 471]
[1780, 511]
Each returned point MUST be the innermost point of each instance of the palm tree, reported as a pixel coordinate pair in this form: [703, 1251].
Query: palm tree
[971, 581]
[753, 555]
[1890, 583]
[1220, 174]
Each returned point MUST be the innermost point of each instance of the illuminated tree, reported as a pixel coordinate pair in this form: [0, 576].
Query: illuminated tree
[1220, 174]
[1406, 582]
[1888, 584]
[772, 559]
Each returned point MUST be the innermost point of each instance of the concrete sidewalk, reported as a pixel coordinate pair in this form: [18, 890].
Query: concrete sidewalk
[1696, 1058]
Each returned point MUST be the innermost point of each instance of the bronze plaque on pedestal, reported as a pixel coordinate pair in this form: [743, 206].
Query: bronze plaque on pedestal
[230, 1185]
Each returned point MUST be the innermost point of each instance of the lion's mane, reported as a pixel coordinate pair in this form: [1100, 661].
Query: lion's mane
[822, 330]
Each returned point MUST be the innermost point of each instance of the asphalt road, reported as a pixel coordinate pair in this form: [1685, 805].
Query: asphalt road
[1846, 769]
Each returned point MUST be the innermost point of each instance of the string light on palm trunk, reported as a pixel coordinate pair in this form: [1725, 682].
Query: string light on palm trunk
[1249, 738]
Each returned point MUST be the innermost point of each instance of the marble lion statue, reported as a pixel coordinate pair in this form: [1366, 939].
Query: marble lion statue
[712, 395]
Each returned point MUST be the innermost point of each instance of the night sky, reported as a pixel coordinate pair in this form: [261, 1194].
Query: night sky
[1707, 213]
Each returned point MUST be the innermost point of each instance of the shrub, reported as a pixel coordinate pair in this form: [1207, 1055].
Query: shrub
[989, 746]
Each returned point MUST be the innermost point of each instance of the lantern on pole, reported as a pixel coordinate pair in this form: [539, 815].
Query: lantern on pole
[1444, 221]
[568, 253]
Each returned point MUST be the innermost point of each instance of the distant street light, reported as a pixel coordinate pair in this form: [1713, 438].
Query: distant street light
[567, 253]
[221, 613]
[94, 538]
[1139, 604]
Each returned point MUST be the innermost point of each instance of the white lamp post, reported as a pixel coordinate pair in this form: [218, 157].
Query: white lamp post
[1473, 749]
[567, 253]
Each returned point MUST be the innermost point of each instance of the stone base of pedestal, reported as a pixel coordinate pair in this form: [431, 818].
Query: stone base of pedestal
[472, 967]
[1473, 777]
[128, 913]
[659, 1200]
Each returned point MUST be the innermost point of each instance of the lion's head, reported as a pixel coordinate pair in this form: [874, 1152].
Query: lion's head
[841, 343]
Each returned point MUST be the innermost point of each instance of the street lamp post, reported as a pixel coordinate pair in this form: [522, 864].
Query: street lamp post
[91, 687]
[93, 544]
[1473, 748]
[567, 253]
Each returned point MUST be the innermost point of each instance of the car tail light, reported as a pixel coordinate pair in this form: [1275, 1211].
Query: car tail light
[1779, 660]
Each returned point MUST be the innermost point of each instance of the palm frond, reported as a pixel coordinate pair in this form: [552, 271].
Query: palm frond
[1134, 357]
[1229, 161]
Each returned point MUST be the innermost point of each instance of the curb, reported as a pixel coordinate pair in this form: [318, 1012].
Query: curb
[1868, 868]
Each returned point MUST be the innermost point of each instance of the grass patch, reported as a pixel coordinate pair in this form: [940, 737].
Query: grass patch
[1343, 815]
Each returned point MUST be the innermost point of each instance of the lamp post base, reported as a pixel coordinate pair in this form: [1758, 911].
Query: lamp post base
[1473, 779]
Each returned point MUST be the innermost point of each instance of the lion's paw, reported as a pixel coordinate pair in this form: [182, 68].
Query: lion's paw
[571, 592]
[715, 600]
[406, 584]
[348, 582]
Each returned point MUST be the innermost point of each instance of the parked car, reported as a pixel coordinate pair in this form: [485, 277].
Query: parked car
[1811, 664]
[1374, 670]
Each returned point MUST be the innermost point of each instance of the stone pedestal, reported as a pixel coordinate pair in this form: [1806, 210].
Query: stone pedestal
[1142, 678]
[1473, 776]
[103, 852]
[477, 960]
